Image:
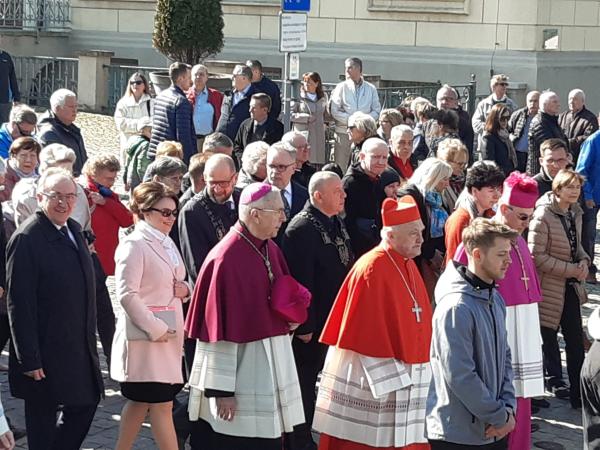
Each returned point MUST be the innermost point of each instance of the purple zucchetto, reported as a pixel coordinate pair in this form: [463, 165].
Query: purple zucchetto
[254, 192]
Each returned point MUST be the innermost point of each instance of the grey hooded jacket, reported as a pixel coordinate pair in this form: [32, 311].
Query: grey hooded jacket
[471, 385]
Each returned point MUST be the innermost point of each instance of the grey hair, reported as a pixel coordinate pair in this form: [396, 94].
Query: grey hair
[429, 174]
[318, 180]
[577, 92]
[165, 166]
[282, 147]
[446, 87]
[354, 62]
[372, 143]
[199, 68]
[418, 101]
[218, 159]
[254, 154]
[23, 114]
[216, 140]
[531, 94]
[52, 173]
[263, 202]
[52, 154]
[59, 98]
[400, 130]
[289, 137]
[545, 97]
[364, 123]
[385, 231]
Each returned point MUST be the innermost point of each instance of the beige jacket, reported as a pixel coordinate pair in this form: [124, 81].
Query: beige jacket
[551, 251]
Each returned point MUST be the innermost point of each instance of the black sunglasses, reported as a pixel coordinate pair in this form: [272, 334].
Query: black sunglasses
[165, 212]
[138, 82]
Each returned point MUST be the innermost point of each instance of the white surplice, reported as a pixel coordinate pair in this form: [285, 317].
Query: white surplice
[378, 402]
[525, 341]
[262, 374]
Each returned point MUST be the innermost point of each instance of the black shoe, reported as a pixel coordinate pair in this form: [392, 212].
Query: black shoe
[560, 390]
[540, 403]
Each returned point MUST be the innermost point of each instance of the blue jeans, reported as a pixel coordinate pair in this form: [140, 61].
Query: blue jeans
[588, 233]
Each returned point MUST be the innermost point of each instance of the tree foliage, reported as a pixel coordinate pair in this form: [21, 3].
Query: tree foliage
[188, 30]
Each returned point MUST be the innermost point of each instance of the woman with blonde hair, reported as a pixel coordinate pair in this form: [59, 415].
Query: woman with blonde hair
[134, 105]
[426, 185]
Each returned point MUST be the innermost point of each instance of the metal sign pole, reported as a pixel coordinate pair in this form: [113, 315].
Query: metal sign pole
[286, 95]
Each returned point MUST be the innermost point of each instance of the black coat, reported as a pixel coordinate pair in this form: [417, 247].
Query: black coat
[544, 183]
[233, 116]
[8, 80]
[363, 209]
[197, 235]
[302, 176]
[52, 310]
[53, 131]
[543, 126]
[316, 264]
[270, 132]
[492, 148]
[299, 199]
[577, 128]
[269, 87]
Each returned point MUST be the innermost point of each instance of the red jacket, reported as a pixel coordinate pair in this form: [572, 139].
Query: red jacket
[215, 98]
[106, 221]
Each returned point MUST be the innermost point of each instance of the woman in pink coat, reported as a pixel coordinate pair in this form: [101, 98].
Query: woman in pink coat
[147, 350]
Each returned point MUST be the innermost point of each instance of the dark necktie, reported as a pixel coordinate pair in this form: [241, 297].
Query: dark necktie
[65, 232]
[286, 206]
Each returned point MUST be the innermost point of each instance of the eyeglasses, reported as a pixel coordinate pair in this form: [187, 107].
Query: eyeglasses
[504, 118]
[461, 164]
[22, 132]
[522, 217]
[557, 162]
[136, 82]
[502, 84]
[222, 184]
[165, 212]
[277, 211]
[62, 198]
[280, 167]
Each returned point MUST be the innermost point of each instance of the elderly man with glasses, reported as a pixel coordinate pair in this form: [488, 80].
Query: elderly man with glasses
[22, 122]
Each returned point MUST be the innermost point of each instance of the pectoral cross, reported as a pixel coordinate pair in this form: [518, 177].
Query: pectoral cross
[417, 310]
[525, 279]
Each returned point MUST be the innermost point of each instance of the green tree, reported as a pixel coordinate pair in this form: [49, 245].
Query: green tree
[188, 30]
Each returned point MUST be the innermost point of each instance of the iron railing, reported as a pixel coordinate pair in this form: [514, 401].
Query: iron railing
[40, 76]
[35, 15]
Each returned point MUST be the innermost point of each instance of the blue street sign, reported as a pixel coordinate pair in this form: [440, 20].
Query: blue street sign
[295, 5]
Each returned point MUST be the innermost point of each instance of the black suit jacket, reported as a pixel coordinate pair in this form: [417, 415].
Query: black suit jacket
[52, 310]
[270, 132]
[299, 199]
[233, 116]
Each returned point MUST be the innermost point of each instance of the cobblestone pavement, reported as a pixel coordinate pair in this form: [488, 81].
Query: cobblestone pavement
[560, 426]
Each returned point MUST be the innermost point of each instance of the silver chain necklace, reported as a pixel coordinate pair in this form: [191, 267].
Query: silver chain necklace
[265, 258]
[416, 308]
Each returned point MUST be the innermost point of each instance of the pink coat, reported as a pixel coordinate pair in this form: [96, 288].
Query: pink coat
[144, 277]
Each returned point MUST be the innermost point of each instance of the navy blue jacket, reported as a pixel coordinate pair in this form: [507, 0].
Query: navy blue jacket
[269, 87]
[53, 131]
[9, 89]
[172, 121]
[233, 116]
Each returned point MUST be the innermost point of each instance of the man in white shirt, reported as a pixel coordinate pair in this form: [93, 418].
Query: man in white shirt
[354, 94]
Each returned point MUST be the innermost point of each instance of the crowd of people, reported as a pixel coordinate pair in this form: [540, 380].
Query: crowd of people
[402, 288]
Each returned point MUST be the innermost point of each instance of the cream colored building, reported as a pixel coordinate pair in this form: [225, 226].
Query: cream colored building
[539, 43]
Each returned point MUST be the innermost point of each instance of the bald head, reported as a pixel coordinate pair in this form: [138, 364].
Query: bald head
[327, 193]
[220, 177]
[219, 161]
[373, 156]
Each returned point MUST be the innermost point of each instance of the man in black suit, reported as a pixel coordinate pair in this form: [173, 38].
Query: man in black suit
[236, 104]
[52, 309]
[281, 165]
[259, 127]
[304, 169]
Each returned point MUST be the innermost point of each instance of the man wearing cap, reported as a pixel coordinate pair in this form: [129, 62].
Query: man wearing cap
[498, 86]
[236, 105]
[243, 382]
[521, 292]
[376, 375]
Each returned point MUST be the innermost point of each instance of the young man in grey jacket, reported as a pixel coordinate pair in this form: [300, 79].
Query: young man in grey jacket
[471, 401]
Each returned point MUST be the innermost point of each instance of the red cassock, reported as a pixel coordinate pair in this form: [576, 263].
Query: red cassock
[373, 316]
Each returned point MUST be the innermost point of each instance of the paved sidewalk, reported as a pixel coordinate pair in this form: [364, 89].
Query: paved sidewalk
[560, 426]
